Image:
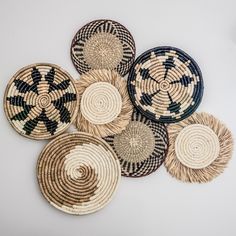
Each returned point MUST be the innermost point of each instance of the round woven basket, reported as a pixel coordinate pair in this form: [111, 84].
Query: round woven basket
[200, 148]
[103, 44]
[165, 84]
[105, 107]
[141, 147]
[41, 101]
[78, 173]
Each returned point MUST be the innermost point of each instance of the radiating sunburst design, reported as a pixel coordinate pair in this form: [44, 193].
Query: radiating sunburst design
[41, 101]
[165, 84]
[141, 147]
[103, 44]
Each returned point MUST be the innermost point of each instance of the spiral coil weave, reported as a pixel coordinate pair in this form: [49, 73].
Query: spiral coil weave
[78, 173]
[197, 146]
[105, 108]
[101, 103]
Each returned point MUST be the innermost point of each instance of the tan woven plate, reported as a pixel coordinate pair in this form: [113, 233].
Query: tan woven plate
[141, 147]
[200, 148]
[103, 44]
[41, 101]
[105, 108]
[78, 173]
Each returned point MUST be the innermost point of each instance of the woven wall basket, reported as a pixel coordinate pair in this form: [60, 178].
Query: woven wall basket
[103, 44]
[41, 101]
[165, 84]
[105, 107]
[200, 148]
[141, 147]
[78, 173]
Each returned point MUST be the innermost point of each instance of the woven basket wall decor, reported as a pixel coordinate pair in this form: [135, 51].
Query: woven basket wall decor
[105, 107]
[103, 44]
[200, 148]
[78, 173]
[41, 101]
[141, 147]
[165, 84]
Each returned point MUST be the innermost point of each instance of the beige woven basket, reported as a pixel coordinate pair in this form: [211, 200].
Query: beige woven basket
[105, 108]
[200, 148]
[78, 173]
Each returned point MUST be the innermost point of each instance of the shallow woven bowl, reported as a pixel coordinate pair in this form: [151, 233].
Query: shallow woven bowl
[105, 107]
[200, 148]
[141, 147]
[78, 173]
[103, 44]
[41, 101]
[165, 84]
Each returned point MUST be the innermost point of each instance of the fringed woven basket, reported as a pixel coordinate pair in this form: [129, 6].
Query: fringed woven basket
[105, 108]
[200, 148]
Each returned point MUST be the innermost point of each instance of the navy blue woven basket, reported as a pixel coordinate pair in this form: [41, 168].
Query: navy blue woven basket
[165, 84]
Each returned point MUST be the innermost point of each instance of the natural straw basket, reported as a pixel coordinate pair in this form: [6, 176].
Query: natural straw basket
[200, 148]
[165, 84]
[78, 173]
[103, 44]
[141, 147]
[41, 101]
[105, 107]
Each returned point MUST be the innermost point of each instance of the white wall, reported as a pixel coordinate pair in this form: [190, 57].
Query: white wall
[41, 31]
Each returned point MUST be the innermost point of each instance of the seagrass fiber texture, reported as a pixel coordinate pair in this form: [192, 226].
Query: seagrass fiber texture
[200, 148]
[78, 173]
[41, 101]
[165, 84]
[103, 44]
[105, 107]
[141, 147]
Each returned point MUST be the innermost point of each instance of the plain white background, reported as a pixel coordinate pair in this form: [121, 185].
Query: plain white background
[41, 31]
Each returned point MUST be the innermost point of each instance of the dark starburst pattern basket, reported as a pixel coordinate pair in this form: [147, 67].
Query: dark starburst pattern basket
[103, 44]
[41, 101]
[165, 84]
[141, 147]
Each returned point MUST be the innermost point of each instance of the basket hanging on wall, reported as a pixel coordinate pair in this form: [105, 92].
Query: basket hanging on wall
[41, 101]
[200, 148]
[165, 84]
[103, 44]
[78, 173]
[105, 108]
[141, 147]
